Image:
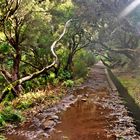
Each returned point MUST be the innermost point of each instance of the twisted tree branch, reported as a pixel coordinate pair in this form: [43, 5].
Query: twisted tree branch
[11, 86]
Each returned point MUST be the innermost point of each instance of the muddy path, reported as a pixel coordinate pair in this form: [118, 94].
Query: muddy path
[91, 112]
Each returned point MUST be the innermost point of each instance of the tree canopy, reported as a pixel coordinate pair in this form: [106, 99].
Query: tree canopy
[38, 37]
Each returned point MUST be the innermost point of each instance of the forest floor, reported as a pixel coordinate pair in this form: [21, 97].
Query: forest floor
[91, 111]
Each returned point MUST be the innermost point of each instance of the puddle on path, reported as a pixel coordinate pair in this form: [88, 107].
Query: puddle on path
[97, 115]
[83, 121]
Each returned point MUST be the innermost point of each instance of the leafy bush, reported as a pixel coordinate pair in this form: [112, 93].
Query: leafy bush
[68, 83]
[35, 83]
[55, 81]
[9, 97]
[2, 137]
[63, 74]
[52, 75]
[2, 121]
[9, 114]
[80, 69]
[82, 61]
[4, 47]
[89, 59]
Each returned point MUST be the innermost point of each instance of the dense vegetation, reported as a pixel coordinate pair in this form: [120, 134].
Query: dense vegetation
[45, 42]
[41, 48]
[30, 43]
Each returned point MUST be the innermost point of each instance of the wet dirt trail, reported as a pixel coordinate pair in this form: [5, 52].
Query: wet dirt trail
[92, 112]
[86, 119]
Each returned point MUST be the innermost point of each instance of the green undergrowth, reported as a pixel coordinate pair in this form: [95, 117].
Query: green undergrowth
[9, 114]
[2, 137]
[18, 110]
[15, 111]
[132, 83]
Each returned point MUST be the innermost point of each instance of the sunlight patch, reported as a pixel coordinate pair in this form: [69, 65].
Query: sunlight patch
[129, 8]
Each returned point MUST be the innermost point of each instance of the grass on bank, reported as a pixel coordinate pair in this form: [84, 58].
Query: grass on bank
[132, 82]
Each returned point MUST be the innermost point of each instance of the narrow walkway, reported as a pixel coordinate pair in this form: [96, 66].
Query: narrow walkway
[97, 113]
[87, 119]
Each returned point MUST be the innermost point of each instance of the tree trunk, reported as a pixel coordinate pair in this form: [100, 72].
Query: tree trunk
[15, 71]
[69, 61]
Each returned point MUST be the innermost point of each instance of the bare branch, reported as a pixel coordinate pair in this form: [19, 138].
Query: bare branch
[6, 74]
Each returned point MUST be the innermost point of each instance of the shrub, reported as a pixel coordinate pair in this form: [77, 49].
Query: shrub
[55, 81]
[51, 77]
[9, 97]
[68, 83]
[80, 69]
[64, 74]
[9, 114]
[2, 137]
[82, 61]
[89, 59]
[35, 83]
[2, 121]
